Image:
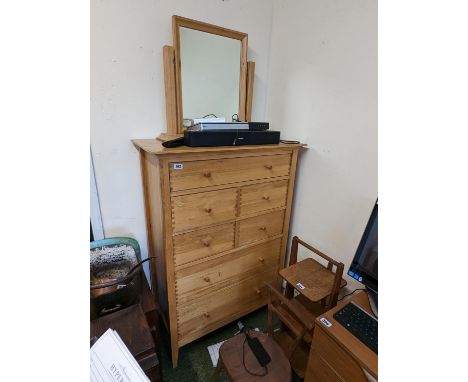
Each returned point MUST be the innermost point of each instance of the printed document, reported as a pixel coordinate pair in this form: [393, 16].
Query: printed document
[111, 361]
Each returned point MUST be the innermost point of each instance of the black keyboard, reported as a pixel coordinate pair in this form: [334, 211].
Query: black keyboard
[359, 323]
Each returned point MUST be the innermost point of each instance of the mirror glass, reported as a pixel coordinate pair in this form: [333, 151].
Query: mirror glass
[210, 74]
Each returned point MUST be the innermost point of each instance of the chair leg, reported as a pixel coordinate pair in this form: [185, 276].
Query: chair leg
[324, 302]
[270, 322]
[217, 372]
[295, 344]
[289, 291]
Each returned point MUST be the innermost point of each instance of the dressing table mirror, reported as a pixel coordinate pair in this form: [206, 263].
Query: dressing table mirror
[206, 75]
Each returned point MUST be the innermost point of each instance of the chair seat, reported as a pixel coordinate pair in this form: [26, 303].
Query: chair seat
[235, 353]
[316, 280]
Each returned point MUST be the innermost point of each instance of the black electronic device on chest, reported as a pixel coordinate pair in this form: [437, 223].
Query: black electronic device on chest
[259, 126]
[230, 138]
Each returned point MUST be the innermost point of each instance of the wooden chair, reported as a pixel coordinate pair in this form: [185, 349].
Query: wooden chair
[318, 288]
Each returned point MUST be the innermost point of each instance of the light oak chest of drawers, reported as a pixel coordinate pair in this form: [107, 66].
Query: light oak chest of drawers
[217, 221]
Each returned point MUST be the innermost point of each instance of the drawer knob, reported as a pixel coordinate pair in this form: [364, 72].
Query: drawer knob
[207, 279]
[206, 314]
[258, 291]
[207, 174]
[261, 259]
[263, 228]
[206, 243]
[266, 197]
[268, 166]
[207, 210]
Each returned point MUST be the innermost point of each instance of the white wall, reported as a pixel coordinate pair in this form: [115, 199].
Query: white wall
[127, 89]
[323, 91]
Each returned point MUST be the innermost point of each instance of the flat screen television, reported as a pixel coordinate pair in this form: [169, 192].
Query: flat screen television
[364, 266]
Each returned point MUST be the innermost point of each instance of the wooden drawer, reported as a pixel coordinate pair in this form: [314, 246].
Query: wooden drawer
[202, 209]
[189, 175]
[263, 197]
[340, 361]
[204, 278]
[207, 313]
[319, 371]
[202, 243]
[260, 227]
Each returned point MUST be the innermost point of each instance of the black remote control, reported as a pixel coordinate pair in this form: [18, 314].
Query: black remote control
[258, 350]
[174, 142]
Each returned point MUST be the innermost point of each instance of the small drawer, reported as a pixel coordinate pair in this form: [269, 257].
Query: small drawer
[207, 313]
[263, 197]
[203, 278]
[196, 174]
[261, 227]
[202, 243]
[202, 209]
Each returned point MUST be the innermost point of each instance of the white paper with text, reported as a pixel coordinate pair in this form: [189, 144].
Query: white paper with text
[111, 361]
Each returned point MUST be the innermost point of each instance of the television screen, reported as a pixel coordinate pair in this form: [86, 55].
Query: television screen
[364, 266]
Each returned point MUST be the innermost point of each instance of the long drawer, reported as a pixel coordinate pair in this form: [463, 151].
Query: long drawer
[196, 245]
[337, 359]
[196, 174]
[263, 197]
[209, 312]
[320, 370]
[204, 208]
[261, 227]
[204, 278]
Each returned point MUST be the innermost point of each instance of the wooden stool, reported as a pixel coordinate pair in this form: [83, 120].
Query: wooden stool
[235, 356]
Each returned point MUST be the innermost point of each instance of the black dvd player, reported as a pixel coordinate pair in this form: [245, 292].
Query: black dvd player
[230, 138]
[259, 126]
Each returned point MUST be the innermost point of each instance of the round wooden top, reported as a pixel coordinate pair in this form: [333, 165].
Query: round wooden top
[232, 351]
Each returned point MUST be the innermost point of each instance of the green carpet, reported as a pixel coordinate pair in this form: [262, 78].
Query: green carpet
[194, 360]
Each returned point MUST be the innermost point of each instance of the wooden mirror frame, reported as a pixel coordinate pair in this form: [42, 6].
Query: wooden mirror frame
[177, 23]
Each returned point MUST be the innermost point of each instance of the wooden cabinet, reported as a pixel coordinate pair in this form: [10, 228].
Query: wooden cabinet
[337, 355]
[217, 221]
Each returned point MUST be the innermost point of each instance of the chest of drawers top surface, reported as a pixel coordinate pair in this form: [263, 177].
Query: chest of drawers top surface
[153, 146]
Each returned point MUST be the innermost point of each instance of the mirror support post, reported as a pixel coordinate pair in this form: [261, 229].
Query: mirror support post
[170, 93]
[249, 96]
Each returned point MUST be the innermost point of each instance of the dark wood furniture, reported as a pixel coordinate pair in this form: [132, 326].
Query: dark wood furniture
[336, 354]
[137, 326]
[318, 288]
[150, 309]
[235, 356]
